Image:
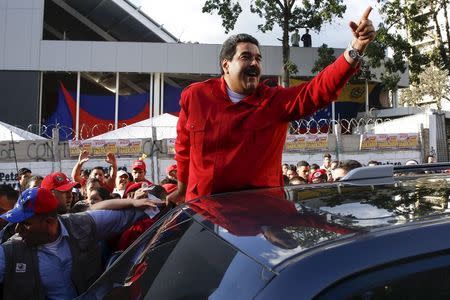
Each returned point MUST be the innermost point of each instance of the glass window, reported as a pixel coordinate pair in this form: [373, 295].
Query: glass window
[421, 279]
[179, 259]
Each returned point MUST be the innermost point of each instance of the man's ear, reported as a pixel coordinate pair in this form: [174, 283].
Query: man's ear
[225, 64]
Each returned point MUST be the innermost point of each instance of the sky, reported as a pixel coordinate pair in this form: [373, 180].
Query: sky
[185, 20]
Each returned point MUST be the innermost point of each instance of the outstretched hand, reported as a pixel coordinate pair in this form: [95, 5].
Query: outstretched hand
[83, 157]
[110, 158]
[363, 31]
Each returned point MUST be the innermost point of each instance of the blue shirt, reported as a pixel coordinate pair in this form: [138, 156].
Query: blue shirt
[55, 259]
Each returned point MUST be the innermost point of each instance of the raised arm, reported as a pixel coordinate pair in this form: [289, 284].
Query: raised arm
[76, 171]
[111, 181]
[363, 34]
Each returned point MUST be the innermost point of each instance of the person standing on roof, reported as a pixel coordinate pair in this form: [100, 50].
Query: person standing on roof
[306, 39]
[231, 130]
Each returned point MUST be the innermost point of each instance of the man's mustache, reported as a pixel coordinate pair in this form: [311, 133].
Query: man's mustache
[252, 71]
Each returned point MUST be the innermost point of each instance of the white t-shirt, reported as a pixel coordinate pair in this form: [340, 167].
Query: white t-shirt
[235, 97]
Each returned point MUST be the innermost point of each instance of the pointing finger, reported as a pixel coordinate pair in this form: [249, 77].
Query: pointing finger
[366, 13]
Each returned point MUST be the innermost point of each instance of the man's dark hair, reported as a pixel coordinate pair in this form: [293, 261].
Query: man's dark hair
[315, 166]
[302, 163]
[229, 47]
[86, 173]
[292, 168]
[10, 193]
[349, 165]
[327, 155]
[23, 171]
[98, 168]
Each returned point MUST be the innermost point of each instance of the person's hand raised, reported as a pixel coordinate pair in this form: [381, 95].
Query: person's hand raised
[363, 31]
[83, 157]
[110, 158]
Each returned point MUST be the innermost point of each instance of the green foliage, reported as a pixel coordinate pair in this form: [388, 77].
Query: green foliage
[326, 57]
[432, 87]
[228, 10]
[406, 24]
[289, 15]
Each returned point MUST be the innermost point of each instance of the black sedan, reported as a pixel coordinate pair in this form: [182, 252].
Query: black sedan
[388, 240]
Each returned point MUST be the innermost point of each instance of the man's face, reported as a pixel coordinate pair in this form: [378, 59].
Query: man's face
[138, 175]
[23, 179]
[94, 197]
[99, 174]
[338, 173]
[64, 200]
[243, 72]
[291, 174]
[303, 172]
[326, 162]
[173, 174]
[284, 169]
[34, 231]
[121, 182]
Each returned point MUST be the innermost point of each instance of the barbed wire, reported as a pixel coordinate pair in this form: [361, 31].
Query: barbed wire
[303, 126]
[327, 126]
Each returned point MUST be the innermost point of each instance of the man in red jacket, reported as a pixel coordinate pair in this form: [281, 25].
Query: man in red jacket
[231, 130]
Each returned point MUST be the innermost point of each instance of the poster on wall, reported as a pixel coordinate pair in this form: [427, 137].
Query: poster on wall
[396, 141]
[306, 143]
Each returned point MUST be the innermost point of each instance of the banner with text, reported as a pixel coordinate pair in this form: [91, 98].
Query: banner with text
[306, 142]
[398, 141]
[101, 148]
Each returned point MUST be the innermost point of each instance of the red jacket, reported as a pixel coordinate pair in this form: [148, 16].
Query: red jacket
[222, 146]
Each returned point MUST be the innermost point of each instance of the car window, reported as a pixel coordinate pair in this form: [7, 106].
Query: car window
[179, 260]
[427, 278]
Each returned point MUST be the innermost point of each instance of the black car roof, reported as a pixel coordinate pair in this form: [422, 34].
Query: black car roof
[273, 225]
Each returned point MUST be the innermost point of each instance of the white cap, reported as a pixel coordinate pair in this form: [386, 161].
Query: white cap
[120, 173]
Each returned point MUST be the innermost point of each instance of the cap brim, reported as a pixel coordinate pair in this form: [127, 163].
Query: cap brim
[17, 215]
[68, 186]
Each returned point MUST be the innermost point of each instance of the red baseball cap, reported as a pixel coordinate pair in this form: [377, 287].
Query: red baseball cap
[171, 168]
[169, 187]
[32, 201]
[58, 181]
[139, 164]
[132, 187]
[321, 173]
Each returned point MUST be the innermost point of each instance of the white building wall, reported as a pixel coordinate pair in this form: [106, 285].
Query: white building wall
[409, 124]
[20, 34]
